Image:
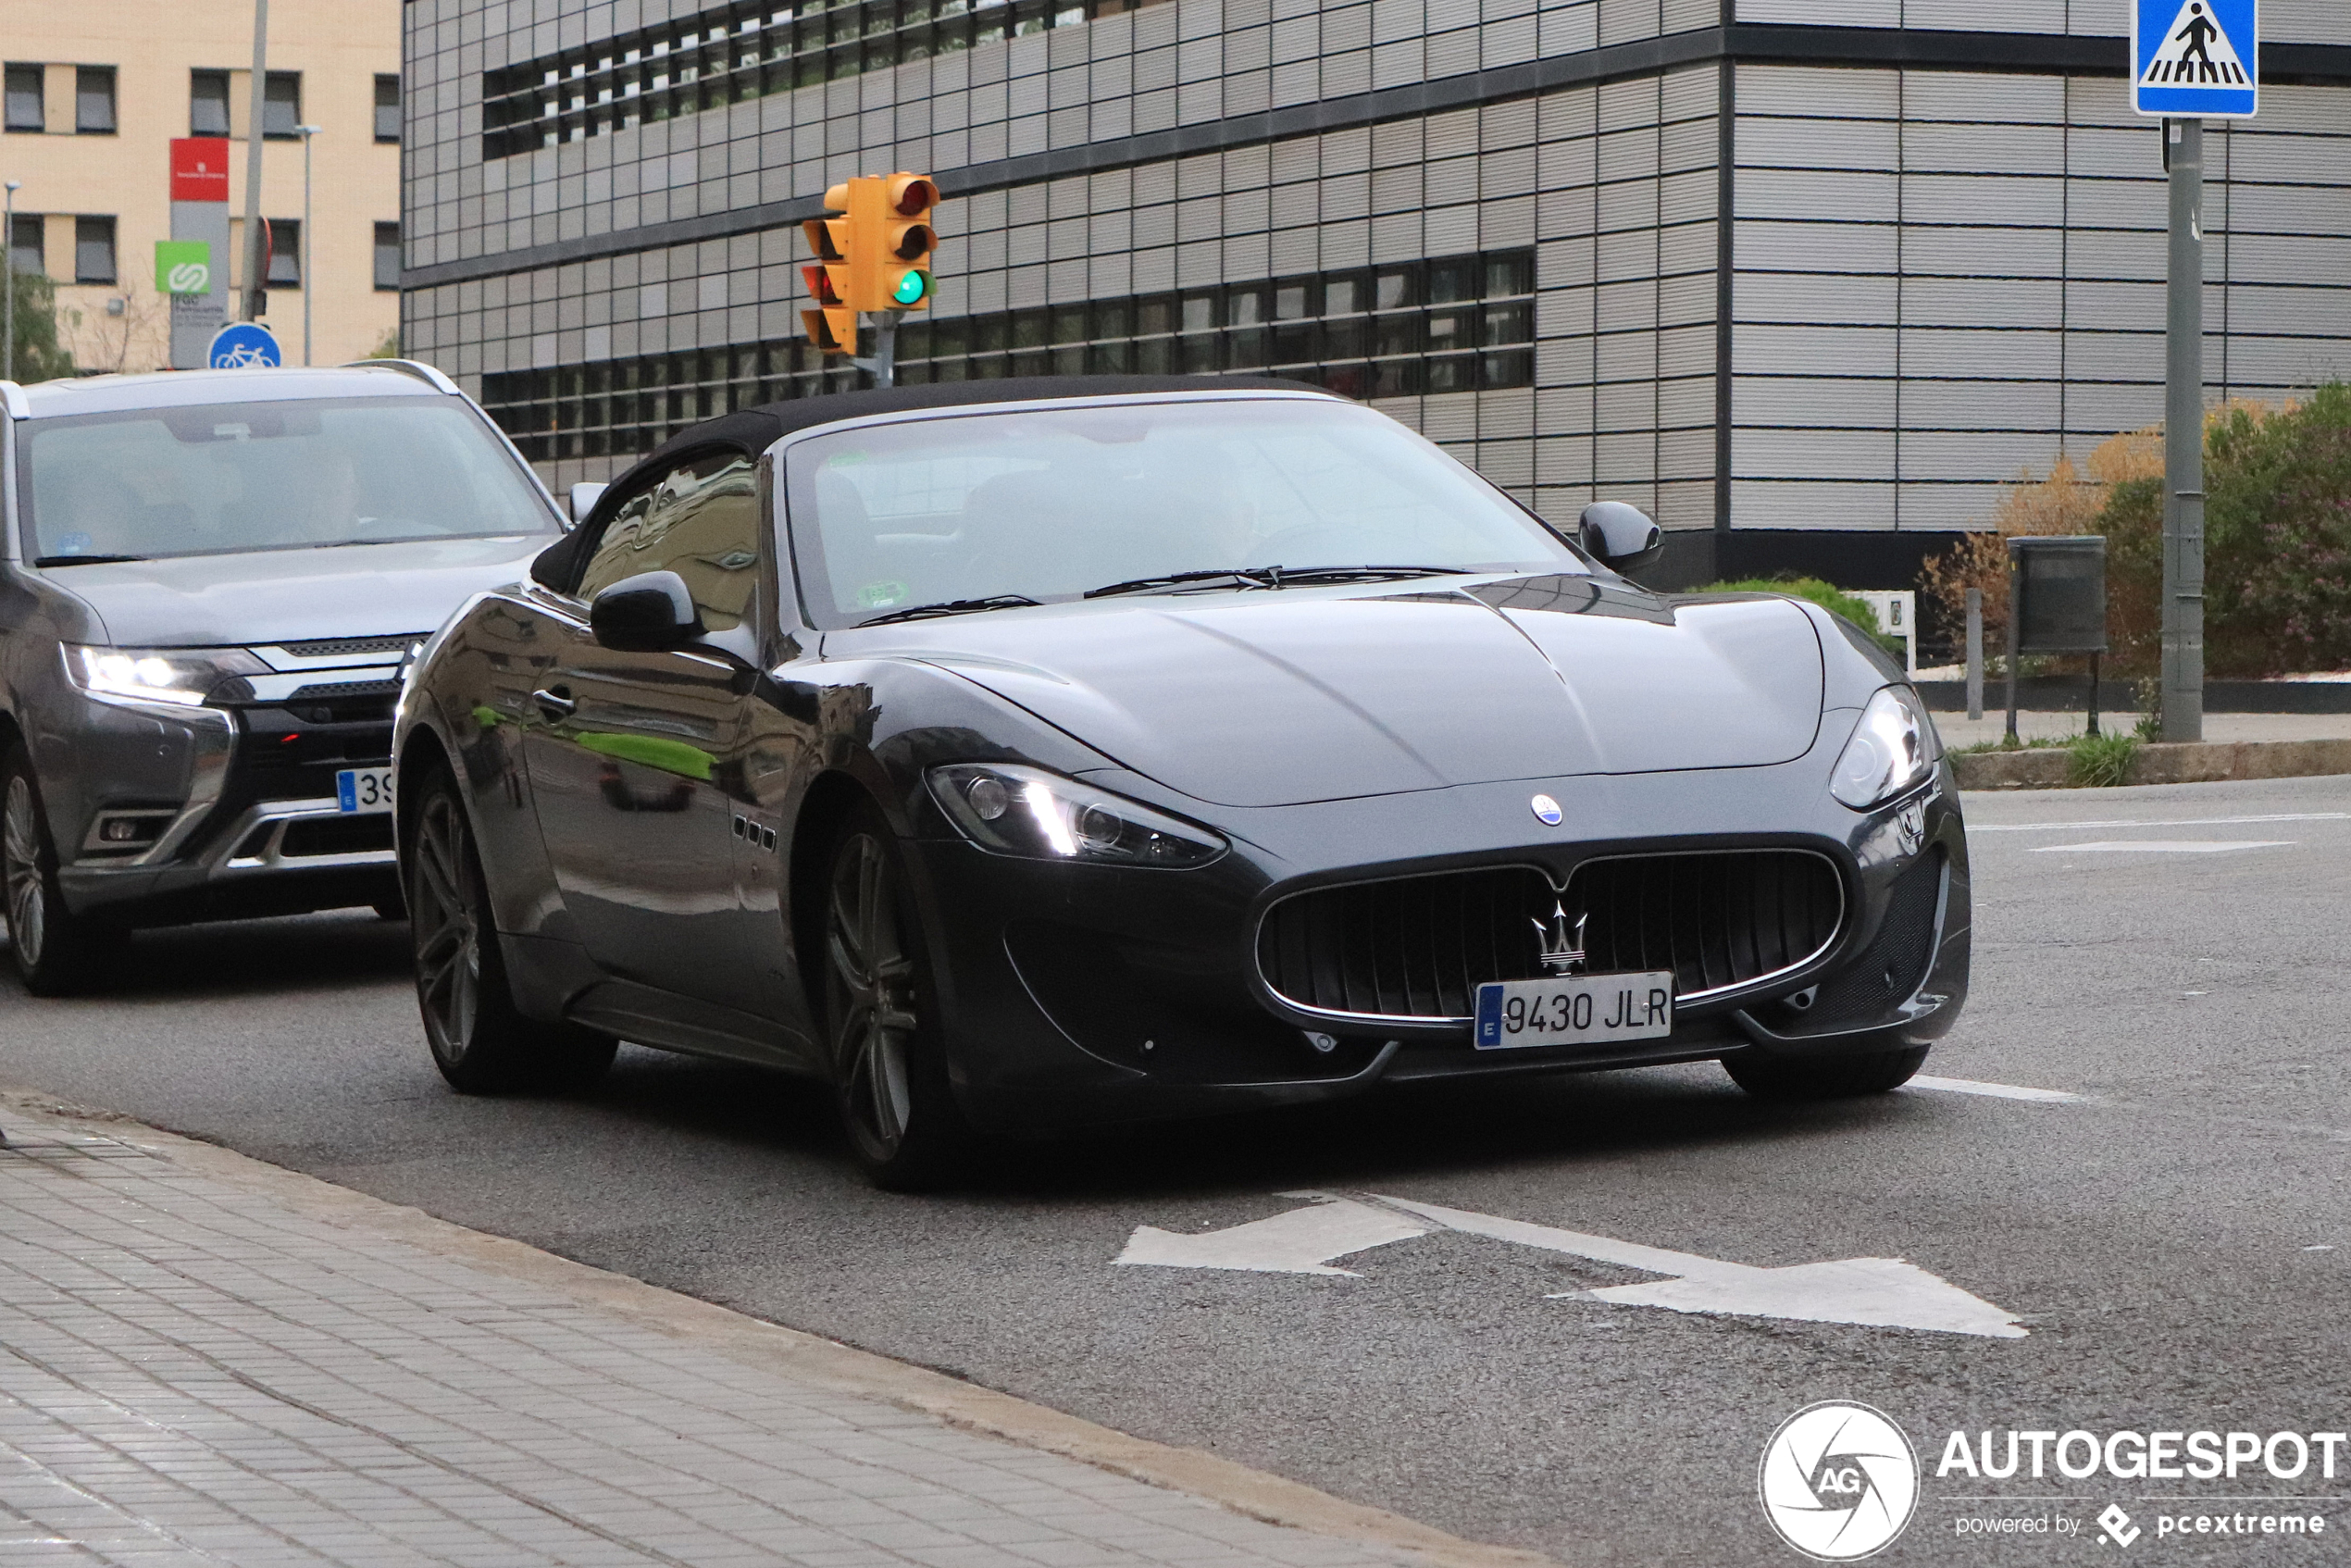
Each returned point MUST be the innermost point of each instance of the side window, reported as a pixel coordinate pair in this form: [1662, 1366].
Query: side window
[701, 521]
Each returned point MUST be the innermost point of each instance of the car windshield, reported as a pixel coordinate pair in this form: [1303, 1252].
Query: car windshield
[977, 510]
[290, 475]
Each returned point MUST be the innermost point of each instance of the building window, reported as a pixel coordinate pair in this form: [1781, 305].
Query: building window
[209, 103]
[285, 253]
[27, 250]
[281, 110]
[387, 108]
[93, 100]
[732, 52]
[1452, 324]
[388, 255]
[24, 99]
[93, 250]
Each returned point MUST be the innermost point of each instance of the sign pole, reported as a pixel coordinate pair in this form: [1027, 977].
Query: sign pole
[2183, 441]
[256, 289]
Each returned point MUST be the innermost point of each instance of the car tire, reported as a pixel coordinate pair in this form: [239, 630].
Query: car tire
[482, 1042]
[881, 1017]
[1832, 1077]
[56, 953]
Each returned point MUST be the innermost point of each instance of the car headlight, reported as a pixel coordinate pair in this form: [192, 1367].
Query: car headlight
[1893, 749]
[1040, 815]
[180, 678]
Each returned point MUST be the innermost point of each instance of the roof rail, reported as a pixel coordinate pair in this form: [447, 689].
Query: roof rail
[12, 398]
[415, 367]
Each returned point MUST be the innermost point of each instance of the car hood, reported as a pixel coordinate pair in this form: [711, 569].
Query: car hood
[1277, 698]
[255, 597]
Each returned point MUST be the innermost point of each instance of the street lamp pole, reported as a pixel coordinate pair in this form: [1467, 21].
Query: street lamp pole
[309, 283]
[257, 105]
[9, 265]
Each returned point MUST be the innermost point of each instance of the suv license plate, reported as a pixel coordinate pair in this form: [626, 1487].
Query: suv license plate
[362, 792]
[1574, 1010]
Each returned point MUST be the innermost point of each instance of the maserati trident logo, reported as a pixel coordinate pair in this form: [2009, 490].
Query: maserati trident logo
[1546, 810]
[1562, 943]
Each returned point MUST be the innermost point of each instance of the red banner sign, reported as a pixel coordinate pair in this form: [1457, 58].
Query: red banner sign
[200, 168]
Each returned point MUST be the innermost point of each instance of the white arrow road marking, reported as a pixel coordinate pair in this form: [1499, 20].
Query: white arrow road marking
[2164, 846]
[1301, 1241]
[1875, 1292]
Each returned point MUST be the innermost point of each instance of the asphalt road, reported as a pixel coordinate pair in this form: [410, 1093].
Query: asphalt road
[2177, 1243]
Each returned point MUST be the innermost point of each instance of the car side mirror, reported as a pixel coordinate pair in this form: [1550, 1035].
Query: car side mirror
[650, 612]
[1622, 537]
[583, 500]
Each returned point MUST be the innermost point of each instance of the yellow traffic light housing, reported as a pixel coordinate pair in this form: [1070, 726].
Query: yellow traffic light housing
[873, 255]
[907, 240]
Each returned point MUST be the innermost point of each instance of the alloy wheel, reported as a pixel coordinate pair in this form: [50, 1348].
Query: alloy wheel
[872, 984]
[447, 926]
[21, 864]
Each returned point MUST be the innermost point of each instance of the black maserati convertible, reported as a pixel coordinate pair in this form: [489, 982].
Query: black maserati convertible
[1026, 755]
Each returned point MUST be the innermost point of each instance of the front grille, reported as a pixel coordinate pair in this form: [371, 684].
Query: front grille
[1419, 947]
[311, 693]
[351, 646]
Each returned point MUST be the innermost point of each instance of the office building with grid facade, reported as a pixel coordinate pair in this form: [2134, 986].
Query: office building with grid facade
[1807, 280]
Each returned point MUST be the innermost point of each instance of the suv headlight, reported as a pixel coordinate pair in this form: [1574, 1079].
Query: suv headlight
[1040, 815]
[1893, 749]
[180, 678]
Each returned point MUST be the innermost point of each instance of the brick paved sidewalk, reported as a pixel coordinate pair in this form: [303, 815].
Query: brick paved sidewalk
[199, 1368]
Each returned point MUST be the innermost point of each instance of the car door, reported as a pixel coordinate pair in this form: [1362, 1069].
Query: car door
[625, 760]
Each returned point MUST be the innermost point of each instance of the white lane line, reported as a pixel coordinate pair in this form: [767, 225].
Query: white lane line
[1998, 1091]
[1974, 828]
[2164, 846]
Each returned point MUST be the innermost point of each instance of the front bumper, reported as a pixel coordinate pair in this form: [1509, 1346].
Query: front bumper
[1079, 995]
[241, 803]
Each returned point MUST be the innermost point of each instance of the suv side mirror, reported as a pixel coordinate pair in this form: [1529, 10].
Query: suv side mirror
[1622, 537]
[650, 612]
[583, 500]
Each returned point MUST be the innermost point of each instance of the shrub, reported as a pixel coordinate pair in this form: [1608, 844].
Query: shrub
[2277, 539]
[2101, 761]
[38, 355]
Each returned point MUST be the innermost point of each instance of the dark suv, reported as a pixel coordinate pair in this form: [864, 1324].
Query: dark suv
[209, 583]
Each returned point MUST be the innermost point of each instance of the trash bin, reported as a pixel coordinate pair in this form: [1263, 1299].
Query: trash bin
[2057, 605]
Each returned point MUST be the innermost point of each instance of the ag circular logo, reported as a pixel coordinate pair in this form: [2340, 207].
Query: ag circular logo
[1838, 1481]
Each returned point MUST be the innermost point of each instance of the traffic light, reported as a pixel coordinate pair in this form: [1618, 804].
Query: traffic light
[873, 254]
[832, 326]
[907, 239]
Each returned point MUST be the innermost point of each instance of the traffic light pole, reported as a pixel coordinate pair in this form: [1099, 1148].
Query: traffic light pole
[883, 364]
[2183, 441]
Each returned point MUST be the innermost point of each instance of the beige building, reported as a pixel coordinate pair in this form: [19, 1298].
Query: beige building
[96, 92]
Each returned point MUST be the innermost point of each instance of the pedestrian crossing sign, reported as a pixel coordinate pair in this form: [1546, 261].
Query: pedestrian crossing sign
[2196, 59]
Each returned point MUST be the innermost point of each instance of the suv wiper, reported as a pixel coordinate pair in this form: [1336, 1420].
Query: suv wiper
[951, 607]
[82, 560]
[1273, 576]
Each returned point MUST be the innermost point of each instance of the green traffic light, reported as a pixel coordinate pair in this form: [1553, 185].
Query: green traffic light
[913, 288]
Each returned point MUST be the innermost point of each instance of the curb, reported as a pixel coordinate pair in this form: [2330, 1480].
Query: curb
[2196, 761]
[826, 1363]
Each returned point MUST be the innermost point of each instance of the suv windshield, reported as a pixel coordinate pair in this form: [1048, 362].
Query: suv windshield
[964, 510]
[292, 475]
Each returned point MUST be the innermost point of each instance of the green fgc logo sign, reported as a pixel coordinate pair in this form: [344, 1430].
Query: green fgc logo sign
[183, 267]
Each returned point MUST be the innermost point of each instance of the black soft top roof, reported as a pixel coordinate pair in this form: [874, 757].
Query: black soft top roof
[753, 430]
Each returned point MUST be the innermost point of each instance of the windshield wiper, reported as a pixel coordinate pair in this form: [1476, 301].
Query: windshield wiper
[951, 607]
[1273, 577]
[82, 560]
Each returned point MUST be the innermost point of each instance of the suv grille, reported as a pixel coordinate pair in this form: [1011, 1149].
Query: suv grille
[351, 647]
[1419, 947]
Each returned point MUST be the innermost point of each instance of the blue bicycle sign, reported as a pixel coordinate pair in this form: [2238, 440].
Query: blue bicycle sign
[243, 345]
